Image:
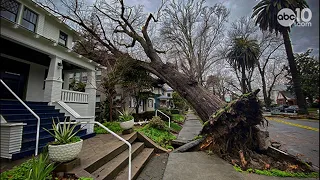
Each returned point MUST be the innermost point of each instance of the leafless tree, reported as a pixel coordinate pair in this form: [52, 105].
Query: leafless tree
[194, 31]
[122, 27]
[270, 64]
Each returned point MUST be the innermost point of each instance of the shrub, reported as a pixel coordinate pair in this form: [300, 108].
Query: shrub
[113, 126]
[175, 111]
[64, 133]
[157, 123]
[143, 116]
[125, 115]
[40, 168]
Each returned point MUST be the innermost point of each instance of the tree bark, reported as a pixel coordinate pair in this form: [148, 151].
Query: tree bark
[202, 101]
[243, 79]
[301, 101]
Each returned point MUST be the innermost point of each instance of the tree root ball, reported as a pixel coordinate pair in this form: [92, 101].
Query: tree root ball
[233, 134]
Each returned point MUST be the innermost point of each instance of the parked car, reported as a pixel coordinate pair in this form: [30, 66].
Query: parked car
[266, 109]
[292, 109]
[280, 108]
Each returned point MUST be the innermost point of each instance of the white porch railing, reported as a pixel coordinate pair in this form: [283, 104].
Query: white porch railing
[74, 96]
[111, 132]
[35, 115]
[156, 114]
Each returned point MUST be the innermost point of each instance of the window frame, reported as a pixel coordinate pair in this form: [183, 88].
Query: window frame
[66, 41]
[23, 19]
[16, 15]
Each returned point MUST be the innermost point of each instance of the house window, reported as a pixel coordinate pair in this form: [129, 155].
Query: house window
[98, 98]
[84, 79]
[10, 9]
[29, 19]
[98, 76]
[63, 38]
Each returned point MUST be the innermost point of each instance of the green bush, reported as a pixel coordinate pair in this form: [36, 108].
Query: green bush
[113, 126]
[175, 111]
[40, 168]
[162, 137]
[157, 123]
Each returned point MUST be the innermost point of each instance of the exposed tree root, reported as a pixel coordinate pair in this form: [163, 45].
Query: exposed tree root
[233, 134]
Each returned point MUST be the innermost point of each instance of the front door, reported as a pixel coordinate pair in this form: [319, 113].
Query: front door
[15, 75]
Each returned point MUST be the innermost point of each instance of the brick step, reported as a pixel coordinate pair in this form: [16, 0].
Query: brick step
[112, 168]
[137, 165]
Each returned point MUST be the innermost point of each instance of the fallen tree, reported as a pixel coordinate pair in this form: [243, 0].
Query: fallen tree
[233, 134]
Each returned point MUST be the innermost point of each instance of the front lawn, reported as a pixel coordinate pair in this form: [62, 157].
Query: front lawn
[113, 126]
[174, 126]
[162, 137]
[178, 118]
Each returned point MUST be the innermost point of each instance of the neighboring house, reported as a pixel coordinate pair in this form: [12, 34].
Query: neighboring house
[36, 63]
[287, 98]
[83, 77]
[275, 92]
[161, 99]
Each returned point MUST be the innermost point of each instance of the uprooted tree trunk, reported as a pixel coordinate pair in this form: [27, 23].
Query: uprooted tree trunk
[233, 134]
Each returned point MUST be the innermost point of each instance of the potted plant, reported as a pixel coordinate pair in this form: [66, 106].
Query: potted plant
[67, 145]
[126, 119]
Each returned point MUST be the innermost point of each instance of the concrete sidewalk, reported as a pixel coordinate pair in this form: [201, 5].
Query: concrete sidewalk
[201, 166]
[190, 129]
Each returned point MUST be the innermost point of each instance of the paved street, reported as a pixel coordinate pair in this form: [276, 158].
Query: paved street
[297, 137]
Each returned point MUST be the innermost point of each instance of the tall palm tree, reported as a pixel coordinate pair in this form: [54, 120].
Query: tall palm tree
[265, 13]
[243, 55]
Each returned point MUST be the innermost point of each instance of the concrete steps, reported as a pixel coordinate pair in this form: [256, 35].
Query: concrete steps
[104, 157]
[138, 164]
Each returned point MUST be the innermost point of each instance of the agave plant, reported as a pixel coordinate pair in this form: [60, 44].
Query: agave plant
[125, 115]
[40, 168]
[64, 134]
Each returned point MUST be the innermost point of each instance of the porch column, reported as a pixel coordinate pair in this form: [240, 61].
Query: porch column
[91, 90]
[52, 92]
[66, 81]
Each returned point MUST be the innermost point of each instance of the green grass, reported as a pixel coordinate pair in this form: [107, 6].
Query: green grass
[113, 126]
[278, 173]
[174, 126]
[178, 118]
[162, 137]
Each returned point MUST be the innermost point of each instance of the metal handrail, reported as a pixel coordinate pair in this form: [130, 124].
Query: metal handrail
[111, 132]
[35, 115]
[164, 115]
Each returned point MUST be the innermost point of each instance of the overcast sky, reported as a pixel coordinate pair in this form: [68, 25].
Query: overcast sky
[302, 37]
